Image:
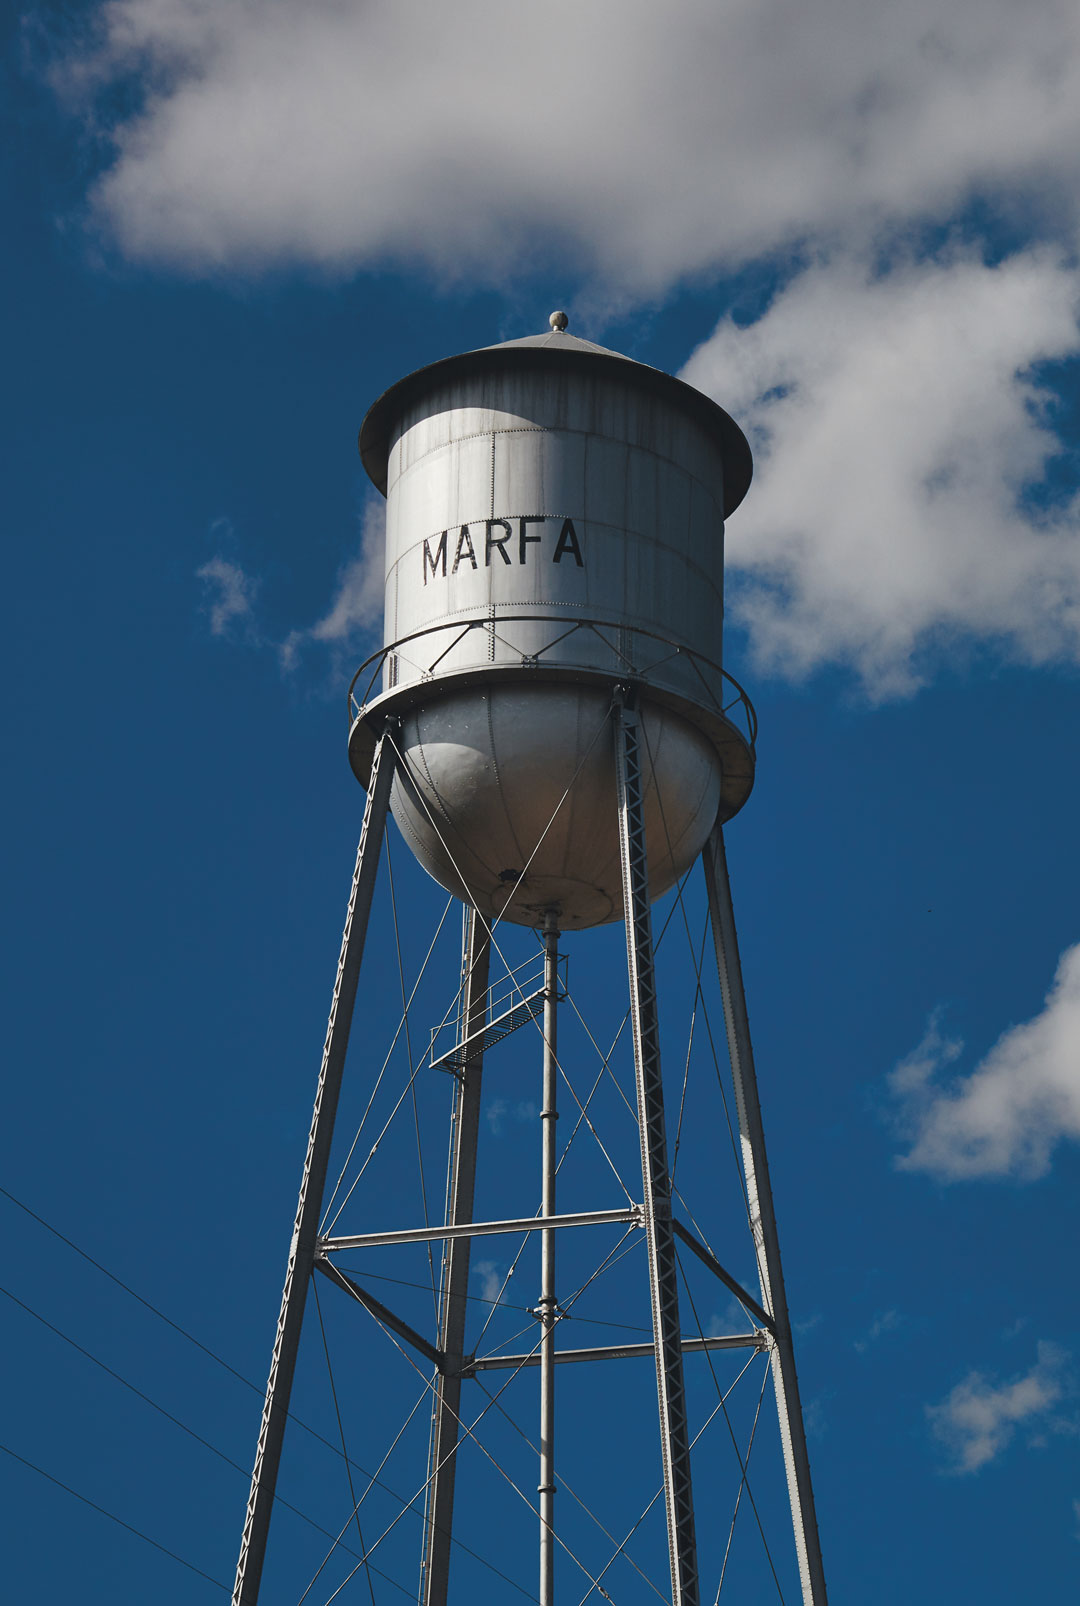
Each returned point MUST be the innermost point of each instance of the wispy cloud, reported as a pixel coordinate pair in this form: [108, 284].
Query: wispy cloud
[346, 632]
[980, 1416]
[499, 1111]
[356, 606]
[228, 596]
[732, 1319]
[1006, 1118]
[491, 1276]
[886, 1321]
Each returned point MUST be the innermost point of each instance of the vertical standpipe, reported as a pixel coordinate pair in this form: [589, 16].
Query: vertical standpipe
[548, 1306]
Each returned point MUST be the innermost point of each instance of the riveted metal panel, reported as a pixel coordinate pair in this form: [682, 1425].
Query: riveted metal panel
[561, 493]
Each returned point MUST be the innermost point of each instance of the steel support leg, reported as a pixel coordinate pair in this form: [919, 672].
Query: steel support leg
[763, 1222]
[656, 1185]
[309, 1207]
[453, 1301]
[548, 1303]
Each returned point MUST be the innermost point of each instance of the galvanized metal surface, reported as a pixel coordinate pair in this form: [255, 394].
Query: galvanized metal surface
[302, 1250]
[559, 353]
[763, 1223]
[550, 482]
[570, 493]
[483, 1229]
[507, 796]
[655, 1178]
[618, 1352]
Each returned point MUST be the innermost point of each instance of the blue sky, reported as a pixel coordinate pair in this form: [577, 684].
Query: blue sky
[230, 226]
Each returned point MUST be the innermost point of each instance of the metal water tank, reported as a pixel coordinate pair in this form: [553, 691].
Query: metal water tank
[554, 539]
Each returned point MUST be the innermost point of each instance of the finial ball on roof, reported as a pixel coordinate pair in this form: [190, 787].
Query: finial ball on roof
[558, 321]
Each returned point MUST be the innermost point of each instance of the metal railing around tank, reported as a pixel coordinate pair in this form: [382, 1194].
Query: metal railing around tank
[422, 665]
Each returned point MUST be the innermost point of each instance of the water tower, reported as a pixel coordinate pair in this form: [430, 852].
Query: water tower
[550, 724]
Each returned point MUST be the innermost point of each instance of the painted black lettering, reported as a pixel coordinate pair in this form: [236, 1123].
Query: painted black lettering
[524, 538]
[464, 549]
[568, 542]
[498, 542]
[434, 561]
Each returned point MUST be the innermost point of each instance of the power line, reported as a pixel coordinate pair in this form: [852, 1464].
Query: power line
[411, 1505]
[129, 1290]
[175, 1420]
[214, 1356]
[190, 1565]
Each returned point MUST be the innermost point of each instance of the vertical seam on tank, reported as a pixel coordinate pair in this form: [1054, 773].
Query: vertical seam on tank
[571, 802]
[626, 520]
[491, 569]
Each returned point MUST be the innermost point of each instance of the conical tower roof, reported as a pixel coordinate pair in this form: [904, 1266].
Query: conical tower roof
[555, 348]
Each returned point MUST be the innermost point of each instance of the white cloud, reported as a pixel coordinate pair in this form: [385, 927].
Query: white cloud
[885, 1322]
[356, 608]
[1006, 1118]
[496, 1114]
[732, 1319]
[229, 594]
[491, 1279]
[977, 1419]
[896, 414]
[348, 627]
[641, 141]
[896, 423]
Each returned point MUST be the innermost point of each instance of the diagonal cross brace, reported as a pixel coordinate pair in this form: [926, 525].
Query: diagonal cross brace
[725, 1276]
[382, 1313]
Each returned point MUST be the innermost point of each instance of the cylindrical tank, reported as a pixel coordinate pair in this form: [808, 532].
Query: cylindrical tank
[555, 519]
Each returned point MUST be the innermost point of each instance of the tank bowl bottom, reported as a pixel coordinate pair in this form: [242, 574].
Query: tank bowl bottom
[507, 794]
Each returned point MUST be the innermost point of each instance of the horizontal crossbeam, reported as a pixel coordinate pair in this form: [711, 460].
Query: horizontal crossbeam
[725, 1276]
[614, 1352]
[480, 1229]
